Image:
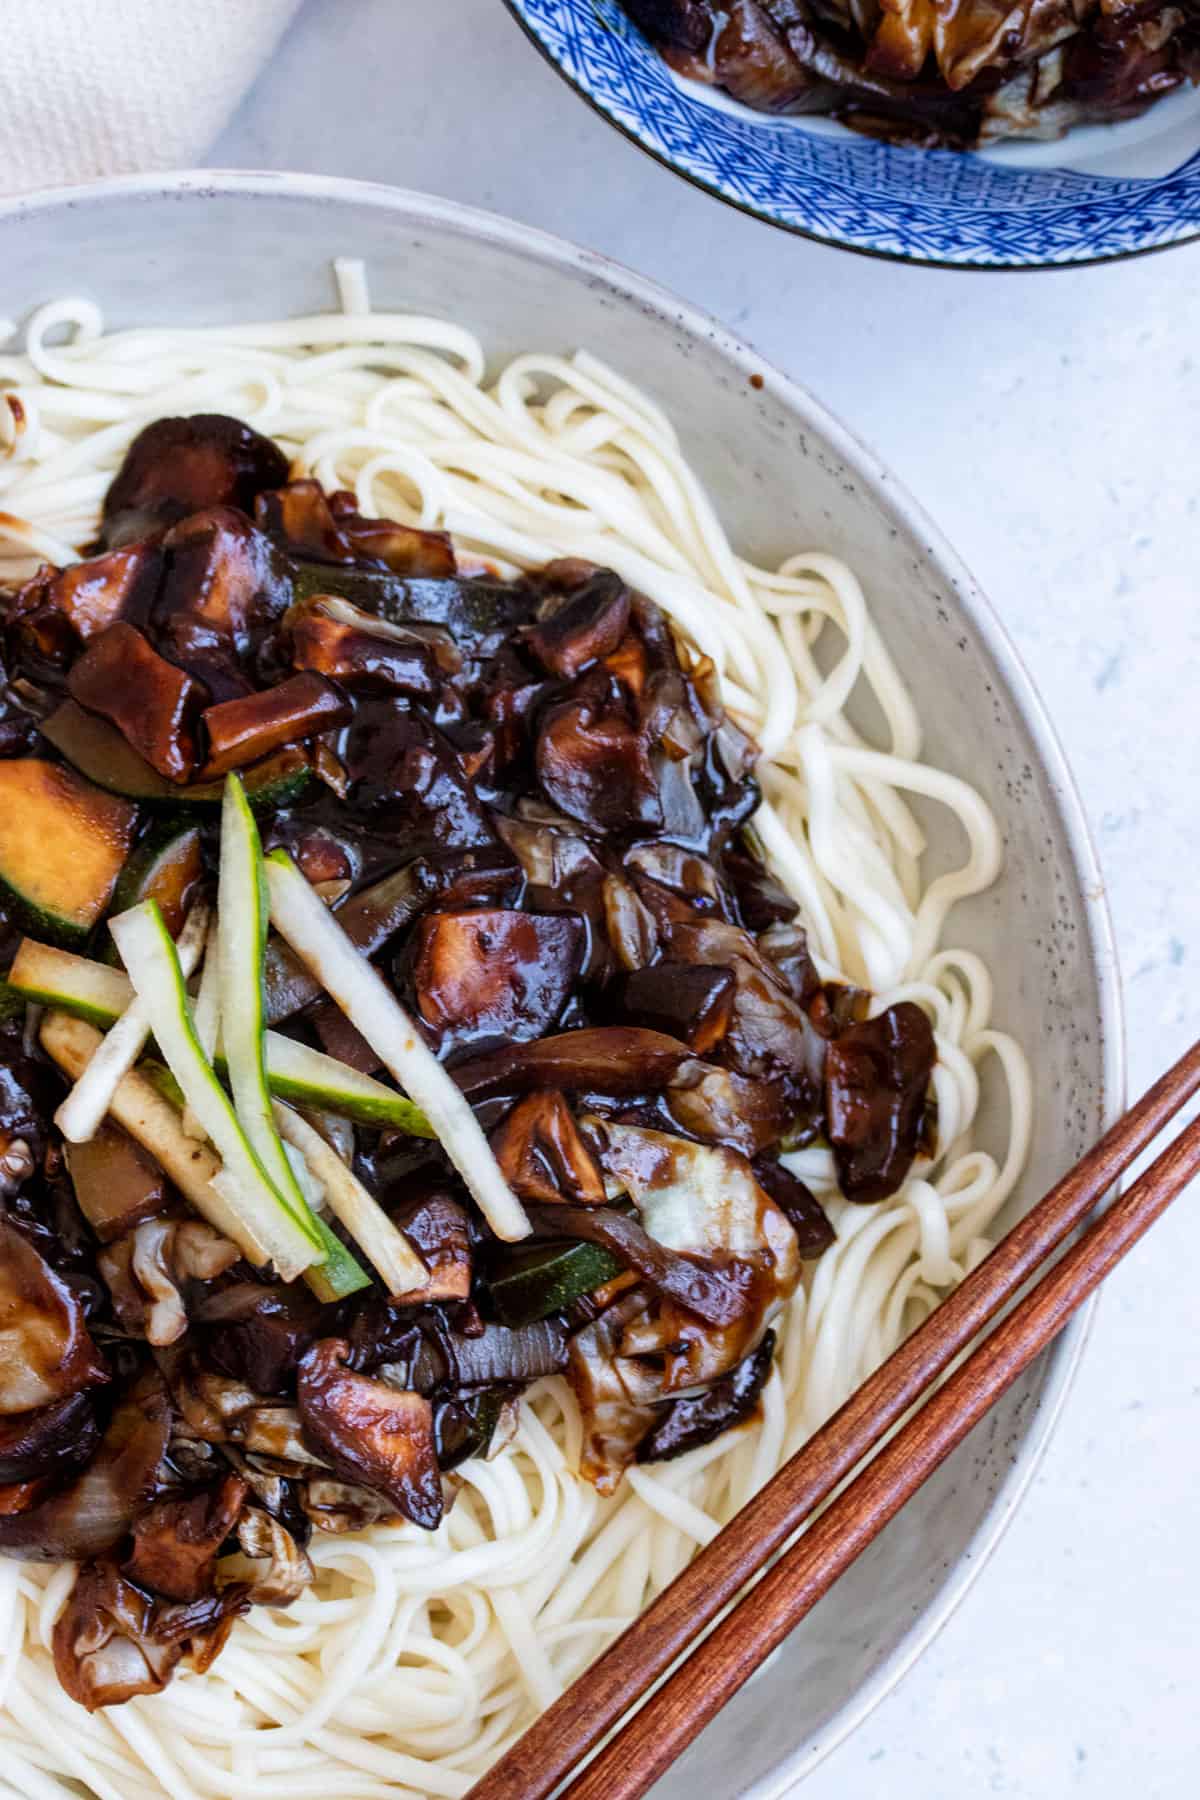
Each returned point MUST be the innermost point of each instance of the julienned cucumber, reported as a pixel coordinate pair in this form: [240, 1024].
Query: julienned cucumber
[313, 932]
[310, 1078]
[98, 750]
[52, 977]
[241, 943]
[90, 990]
[148, 952]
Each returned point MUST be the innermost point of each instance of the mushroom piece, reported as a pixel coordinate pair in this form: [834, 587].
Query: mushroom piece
[245, 729]
[491, 974]
[176, 1542]
[96, 1509]
[370, 1433]
[46, 1351]
[594, 765]
[876, 1081]
[697, 1419]
[177, 466]
[50, 1441]
[104, 1653]
[576, 630]
[330, 529]
[366, 654]
[692, 1002]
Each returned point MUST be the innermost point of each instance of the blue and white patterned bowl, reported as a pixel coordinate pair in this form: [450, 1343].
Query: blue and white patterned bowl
[1103, 192]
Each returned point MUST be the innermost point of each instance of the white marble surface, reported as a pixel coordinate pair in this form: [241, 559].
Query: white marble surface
[1048, 422]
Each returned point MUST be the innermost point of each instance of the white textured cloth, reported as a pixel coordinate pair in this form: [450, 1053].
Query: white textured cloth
[113, 87]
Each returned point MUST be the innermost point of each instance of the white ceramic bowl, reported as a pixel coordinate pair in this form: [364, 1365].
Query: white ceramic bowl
[208, 248]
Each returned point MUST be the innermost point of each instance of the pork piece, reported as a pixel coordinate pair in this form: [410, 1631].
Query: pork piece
[243, 731]
[178, 466]
[368, 1432]
[46, 1351]
[367, 655]
[577, 629]
[593, 763]
[684, 1000]
[437, 1228]
[877, 1078]
[407, 780]
[321, 529]
[489, 974]
[154, 705]
[542, 1153]
[60, 608]
[176, 1542]
[117, 1184]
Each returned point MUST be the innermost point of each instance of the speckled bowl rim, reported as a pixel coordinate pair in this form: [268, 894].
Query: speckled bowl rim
[675, 314]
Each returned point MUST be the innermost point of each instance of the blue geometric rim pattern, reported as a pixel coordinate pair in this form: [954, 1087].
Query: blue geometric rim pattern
[928, 206]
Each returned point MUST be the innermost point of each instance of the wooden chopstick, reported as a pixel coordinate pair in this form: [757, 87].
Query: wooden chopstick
[678, 1712]
[565, 1733]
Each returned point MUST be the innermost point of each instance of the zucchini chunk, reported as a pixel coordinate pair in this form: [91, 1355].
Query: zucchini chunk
[94, 747]
[532, 1284]
[63, 844]
[167, 867]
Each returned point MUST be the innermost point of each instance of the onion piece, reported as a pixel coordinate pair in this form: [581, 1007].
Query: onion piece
[357, 987]
[80, 1116]
[148, 953]
[381, 1242]
[154, 1123]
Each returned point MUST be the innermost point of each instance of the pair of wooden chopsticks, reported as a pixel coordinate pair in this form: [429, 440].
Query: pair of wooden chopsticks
[718, 1666]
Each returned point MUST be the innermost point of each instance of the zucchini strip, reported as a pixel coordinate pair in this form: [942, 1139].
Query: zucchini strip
[154, 1123]
[82, 1112]
[240, 948]
[51, 977]
[295, 1072]
[309, 1078]
[206, 1012]
[148, 952]
[381, 1242]
[357, 987]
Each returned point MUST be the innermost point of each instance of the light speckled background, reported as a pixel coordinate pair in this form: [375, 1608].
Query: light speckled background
[1049, 423]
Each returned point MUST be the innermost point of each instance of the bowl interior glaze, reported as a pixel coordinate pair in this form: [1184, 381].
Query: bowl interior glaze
[207, 248]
